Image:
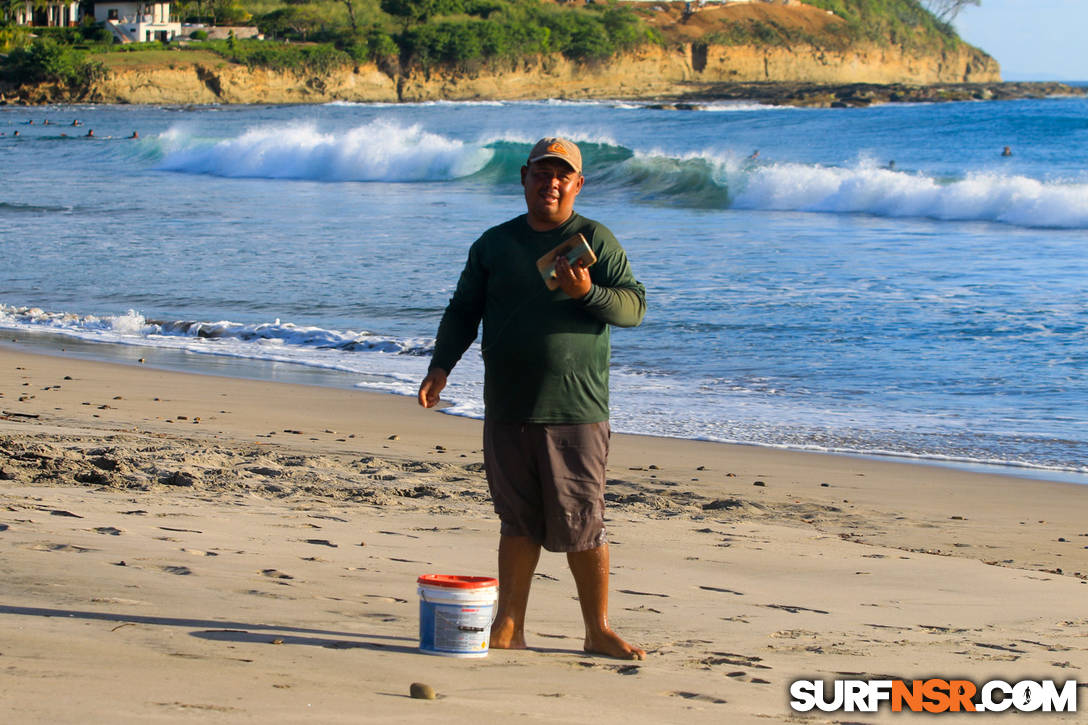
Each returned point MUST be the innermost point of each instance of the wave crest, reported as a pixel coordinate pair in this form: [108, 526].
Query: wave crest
[383, 151]
[377, 151]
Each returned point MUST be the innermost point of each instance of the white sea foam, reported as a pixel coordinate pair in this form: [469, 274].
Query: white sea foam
[884, 192]
[377, 151]
[133, 328]
[740, 107]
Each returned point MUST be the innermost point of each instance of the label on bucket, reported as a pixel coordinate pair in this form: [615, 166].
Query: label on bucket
[461, 629]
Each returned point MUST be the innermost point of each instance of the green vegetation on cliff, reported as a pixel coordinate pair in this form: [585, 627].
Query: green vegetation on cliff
[905, 23]
[47, 61]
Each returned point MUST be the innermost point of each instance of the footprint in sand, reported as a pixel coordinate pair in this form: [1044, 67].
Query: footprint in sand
[384, 598]
[108, 530]
[179, 570]
[1047, 647]
[119, 600]
[1004, 648]
[642, 608]
[734, 659]
[70, 548]
[624, 669]
[697, 696]
[742, 676]
[643, 594]
[275, 574]
[267, 595]
[793, 609]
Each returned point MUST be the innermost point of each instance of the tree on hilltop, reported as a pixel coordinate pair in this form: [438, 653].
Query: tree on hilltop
[947, 10]
[410, 11]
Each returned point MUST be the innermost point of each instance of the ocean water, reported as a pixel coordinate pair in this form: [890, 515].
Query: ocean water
[814, 296]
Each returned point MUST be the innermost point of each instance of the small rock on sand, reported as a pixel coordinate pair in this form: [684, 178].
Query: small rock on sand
[421, 691]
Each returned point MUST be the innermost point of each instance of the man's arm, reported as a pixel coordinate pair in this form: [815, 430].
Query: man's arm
[613, 295]
[459, 326]
[622, 306]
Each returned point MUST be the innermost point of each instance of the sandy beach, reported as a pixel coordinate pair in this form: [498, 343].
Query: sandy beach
[190, 548]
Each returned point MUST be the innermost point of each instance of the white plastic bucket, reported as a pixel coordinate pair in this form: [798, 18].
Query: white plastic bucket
[455, 614]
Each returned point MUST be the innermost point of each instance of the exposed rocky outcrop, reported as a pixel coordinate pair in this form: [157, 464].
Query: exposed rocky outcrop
[655, 72]
[204, 83]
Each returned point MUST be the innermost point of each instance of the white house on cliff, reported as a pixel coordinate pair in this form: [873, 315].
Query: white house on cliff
[130, 22]
[140, 22]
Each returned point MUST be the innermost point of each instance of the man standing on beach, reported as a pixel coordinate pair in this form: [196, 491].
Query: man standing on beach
[546, 354]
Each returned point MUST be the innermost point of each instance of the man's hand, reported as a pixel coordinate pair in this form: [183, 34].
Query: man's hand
[431, 386]
[574, 280]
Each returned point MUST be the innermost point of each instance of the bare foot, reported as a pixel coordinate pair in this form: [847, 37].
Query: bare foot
[608, 643]
[506, 635]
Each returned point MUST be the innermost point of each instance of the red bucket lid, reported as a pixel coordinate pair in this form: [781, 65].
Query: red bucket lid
[452, 581]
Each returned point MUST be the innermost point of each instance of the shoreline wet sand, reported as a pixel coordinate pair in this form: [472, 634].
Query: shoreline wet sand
[182, 546]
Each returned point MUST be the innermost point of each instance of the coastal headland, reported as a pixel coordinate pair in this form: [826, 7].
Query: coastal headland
[692, 62]
[180, 546]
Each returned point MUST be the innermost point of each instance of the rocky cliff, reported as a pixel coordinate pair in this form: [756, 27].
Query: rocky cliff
[654, 72]
[650, 72]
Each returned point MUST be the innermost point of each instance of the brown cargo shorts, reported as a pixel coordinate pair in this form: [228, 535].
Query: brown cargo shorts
[547, 481]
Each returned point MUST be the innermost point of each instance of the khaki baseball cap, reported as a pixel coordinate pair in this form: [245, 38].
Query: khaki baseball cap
[557, 148]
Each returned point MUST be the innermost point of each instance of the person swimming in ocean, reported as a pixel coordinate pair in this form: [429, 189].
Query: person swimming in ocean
[1007, 151]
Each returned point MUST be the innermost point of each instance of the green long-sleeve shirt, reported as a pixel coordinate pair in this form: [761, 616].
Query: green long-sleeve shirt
[545, 355]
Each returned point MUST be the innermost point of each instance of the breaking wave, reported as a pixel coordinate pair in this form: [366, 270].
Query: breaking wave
[382, 151]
